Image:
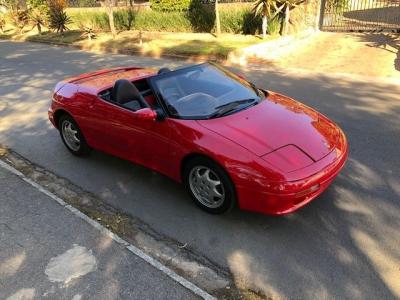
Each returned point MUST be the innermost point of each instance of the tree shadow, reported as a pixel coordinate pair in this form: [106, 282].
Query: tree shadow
[386, 41]
[343, 245]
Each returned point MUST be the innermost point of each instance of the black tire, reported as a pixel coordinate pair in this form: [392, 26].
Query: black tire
[84, 148]
[228, 186]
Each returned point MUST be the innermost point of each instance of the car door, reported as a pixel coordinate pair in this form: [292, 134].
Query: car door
[118, 131]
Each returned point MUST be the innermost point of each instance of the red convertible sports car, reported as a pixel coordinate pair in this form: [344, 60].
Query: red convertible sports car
[227, 140]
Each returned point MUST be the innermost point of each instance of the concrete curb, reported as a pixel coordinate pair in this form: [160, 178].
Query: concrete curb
[179, 262]
[194, 58]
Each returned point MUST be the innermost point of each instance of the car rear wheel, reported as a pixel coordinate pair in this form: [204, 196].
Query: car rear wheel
[209, 185]
[72, 136]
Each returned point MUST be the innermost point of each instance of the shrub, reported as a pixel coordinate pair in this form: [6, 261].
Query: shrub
[160, 21]
[233, 20]
[125, 19]
[37, 3]
[201, 17]
[82, 3]
[2, 23]
[19, 19]
[58, 18]
[88, 30]
[170, 5]
[98, 18]
[38, 18]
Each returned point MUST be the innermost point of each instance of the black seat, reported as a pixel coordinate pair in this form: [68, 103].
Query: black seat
[163, 70]
[126, 94]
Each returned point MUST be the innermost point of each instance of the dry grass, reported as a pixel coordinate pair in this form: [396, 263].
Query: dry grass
[153, 43]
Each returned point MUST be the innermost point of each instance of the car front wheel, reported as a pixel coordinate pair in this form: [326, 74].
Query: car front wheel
[209, 185]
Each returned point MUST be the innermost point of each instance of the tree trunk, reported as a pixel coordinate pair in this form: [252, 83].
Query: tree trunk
[217, 19]
[109, 4]
[39, 28]
[111, 21]
[286, 25]
[140, 38]
[264, 26]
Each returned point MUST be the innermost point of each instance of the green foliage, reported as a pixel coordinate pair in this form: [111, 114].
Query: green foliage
[233, 20]
[153, 21]
[98, 19]
[2, 23]
[170, 5]
[337, 6]
[38, 18]
[38, 11]
[19, 19]
[274, 25]
[82, 3]
[88, 30]
[264, 7]
[11, 4]
[201, 17]
[239, 21]
[125, 19]
[37, 3]
[58, 18]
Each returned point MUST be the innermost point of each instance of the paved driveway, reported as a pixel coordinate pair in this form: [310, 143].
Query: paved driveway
[345, 244]
[370, 54]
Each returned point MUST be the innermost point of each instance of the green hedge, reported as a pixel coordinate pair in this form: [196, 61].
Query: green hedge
[236, 20]
[82, 3]
[170, 5]
[98, 19]
[152, 21]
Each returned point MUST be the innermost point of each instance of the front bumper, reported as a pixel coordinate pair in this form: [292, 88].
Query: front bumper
[294, 194]
[51, 116]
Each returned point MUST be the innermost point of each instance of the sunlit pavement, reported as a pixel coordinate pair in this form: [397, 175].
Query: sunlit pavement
[343, 245]
[46, 252]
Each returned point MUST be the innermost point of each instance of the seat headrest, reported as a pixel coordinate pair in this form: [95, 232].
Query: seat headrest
[163, 70]
[124, 91]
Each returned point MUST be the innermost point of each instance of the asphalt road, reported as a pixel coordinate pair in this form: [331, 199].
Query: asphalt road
[345, 244]
[46, 252]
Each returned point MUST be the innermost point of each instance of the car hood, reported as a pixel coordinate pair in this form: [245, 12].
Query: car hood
[277, 122]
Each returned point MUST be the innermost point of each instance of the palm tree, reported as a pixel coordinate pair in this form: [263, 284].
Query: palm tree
[264, 7]
[217, 19]
[109, 5]
[38, 18]
[287, 5]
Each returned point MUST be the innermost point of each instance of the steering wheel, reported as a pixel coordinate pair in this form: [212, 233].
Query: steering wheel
[194, 97]
[172, 95]
[195, 104]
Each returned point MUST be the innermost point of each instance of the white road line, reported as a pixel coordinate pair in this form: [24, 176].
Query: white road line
[136, 251]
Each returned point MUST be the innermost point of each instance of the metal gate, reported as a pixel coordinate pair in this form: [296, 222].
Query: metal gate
[360, 15]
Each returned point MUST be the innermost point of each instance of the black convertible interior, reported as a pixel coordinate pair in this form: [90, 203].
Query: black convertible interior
[133, 96]
[126, 94]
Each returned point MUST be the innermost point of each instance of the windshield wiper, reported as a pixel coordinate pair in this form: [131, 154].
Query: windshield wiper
[230, 107]
[255, 89]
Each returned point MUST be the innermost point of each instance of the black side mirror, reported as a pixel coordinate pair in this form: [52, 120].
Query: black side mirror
[160, 114]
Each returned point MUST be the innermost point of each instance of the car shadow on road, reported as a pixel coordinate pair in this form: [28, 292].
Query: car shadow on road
[342, 245]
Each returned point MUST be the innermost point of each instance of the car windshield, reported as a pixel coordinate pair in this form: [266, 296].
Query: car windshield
[205, 91]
